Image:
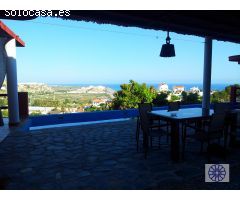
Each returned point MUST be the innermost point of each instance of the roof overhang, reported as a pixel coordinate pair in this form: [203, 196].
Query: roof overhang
[8, 33]
[220, 25]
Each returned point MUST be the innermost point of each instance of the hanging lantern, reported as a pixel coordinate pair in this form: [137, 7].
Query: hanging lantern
[167, 49]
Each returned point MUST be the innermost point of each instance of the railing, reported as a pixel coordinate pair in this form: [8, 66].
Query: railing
[23, 104]
[3, 106]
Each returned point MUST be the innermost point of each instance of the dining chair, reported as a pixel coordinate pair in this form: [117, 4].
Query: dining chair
[155, 122]
[173, 106]
[220, 108]
[149, 129]
[213, 131]
[236, 123]
[224, 108]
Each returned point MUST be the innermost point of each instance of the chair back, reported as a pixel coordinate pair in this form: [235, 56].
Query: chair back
[221, 108]
[144, 109]
[238, 120]
[217, 123]
[173, 106]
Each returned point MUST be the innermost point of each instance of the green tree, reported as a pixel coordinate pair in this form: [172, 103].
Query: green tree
[36, 113]
[174, 98]
[193, 98]
[228, 89]
[161, 99]
[184, 97]
[190, 98]
[131, 94]
[66, 101]
[5, 113]
[220, 96]
[224, 95]
[3, 102]
[92, 109]
[45, 103]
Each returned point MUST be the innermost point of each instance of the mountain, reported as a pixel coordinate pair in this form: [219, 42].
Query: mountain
[93, 90]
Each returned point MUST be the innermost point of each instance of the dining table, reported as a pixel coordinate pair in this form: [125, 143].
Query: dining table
[177, 118]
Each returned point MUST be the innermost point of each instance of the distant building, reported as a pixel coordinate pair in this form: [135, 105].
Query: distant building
[73, 110]
[4, 88]
[42, 110]
[98, 102]
[53, 112]
[163, 87]
[80, 109]
[178, 89]
[194, 90]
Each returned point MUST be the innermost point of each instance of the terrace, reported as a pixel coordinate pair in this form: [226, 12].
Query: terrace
[103, 155]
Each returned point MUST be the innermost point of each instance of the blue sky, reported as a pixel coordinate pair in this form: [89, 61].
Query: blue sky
[64, 51]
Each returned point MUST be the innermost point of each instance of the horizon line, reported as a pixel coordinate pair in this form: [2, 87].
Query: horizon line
[118, 83]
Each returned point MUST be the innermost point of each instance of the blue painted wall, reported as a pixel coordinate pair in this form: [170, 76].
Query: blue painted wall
[91, 116]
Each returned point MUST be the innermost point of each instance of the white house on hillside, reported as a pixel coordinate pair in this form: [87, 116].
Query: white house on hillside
[178, 89]
[163, 87]
[98, 102]
[194, 90]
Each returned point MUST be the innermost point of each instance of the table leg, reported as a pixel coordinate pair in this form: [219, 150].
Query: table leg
[233, 129]
[1, 119]
[175, 141]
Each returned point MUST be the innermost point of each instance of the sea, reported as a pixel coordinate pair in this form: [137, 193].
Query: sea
[116, 87]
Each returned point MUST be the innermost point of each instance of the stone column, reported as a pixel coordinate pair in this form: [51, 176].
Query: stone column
[12, 84]
[2, 60]
[207, 74]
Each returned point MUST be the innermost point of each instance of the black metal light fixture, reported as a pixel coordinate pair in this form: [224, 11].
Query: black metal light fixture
[167, 49]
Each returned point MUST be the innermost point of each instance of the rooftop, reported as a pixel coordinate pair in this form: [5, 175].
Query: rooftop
[178, 86]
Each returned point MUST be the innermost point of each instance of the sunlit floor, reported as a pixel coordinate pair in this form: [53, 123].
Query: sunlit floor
[102, 156]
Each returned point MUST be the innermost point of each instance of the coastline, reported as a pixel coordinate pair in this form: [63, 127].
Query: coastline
[116, 87]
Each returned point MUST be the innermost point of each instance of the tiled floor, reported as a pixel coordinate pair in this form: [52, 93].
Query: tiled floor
[101, 156]
[4, 130]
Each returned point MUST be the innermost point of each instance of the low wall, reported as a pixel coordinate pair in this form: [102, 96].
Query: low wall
[91, 116]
